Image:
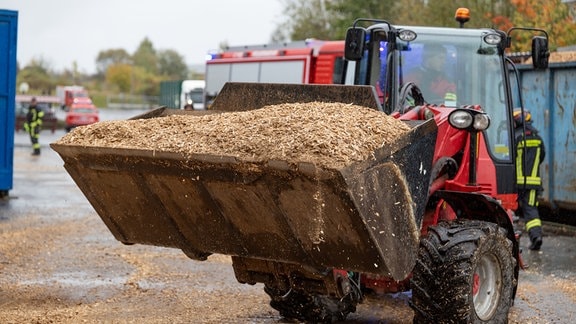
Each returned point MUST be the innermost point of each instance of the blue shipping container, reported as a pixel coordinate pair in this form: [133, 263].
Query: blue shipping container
[8, 36]
[550, 95]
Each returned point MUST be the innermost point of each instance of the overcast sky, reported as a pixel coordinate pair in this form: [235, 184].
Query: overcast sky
[63, 31]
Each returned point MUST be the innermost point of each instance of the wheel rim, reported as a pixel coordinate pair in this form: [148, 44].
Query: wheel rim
[487, 286]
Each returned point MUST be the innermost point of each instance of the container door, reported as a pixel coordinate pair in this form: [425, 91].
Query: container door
[8, 31]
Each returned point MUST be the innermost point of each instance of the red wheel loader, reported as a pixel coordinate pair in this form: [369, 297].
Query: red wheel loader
[430, 213]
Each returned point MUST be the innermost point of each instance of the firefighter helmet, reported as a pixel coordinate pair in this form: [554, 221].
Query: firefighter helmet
[520, 118]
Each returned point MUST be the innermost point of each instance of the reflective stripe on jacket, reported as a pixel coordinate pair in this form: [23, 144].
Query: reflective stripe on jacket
[33, 118]
[530, 153]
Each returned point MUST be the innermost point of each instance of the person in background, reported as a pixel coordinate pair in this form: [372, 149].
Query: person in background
[33, 125]
[530, 153]
[189, 106]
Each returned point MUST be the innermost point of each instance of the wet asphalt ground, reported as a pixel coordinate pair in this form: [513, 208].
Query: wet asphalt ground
[44, 194]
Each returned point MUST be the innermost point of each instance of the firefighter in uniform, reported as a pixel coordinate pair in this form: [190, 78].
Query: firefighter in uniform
[530, 153]
[33, 125]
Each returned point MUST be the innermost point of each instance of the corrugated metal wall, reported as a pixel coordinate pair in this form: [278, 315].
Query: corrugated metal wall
[550, 95]
[170, 93]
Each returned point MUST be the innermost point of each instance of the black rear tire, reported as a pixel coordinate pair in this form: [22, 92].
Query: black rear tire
[464, 274]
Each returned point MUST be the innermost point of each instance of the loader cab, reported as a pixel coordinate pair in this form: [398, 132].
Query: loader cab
[451, 67]
[442, 68]
[437, 70]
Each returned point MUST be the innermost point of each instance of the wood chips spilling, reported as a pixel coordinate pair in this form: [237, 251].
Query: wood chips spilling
[326, 134]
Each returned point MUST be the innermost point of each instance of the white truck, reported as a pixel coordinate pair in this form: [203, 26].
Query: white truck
[193, 93]
[178, 93]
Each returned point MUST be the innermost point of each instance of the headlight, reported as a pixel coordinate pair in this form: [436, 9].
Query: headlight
[460, 119]
[407, 35]
[481, 122]
[492, 39]
[467, 119]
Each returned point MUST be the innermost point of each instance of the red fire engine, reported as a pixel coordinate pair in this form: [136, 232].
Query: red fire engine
[310, 61]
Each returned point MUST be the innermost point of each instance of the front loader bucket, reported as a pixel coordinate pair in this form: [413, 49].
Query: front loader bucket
[363, 217]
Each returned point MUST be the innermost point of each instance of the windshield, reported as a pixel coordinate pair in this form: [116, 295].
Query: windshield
[83, 110]
[80, 95]
[451, 67]
[196, 95]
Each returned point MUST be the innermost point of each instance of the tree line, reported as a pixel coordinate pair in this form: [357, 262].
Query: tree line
[117, 71]
[329, 19]
[139, 73]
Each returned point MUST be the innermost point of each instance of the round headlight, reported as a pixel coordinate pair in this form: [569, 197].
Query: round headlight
[481, 122]
[492, 39]
[460, 119]
[407, 35]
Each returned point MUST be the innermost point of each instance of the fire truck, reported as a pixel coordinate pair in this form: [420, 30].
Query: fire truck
[300, 62]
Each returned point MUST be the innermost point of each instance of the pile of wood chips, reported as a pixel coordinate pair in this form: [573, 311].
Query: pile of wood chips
[326, 134]
[557, 57]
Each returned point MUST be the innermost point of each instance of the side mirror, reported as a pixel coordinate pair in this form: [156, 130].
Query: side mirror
[354, 46]
[540, 53]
